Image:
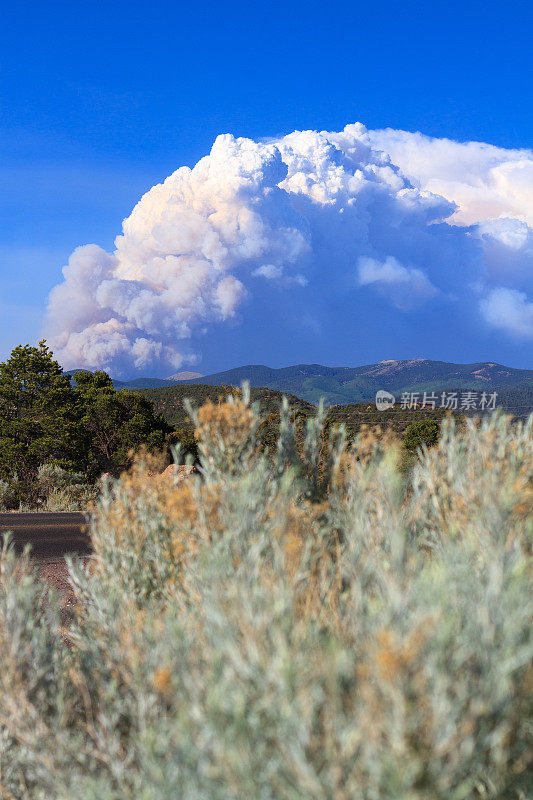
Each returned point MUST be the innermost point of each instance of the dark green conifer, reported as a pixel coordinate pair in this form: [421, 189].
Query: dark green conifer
[39, 415]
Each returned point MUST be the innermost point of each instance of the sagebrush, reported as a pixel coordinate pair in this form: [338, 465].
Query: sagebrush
[56, 489]
[302, 626]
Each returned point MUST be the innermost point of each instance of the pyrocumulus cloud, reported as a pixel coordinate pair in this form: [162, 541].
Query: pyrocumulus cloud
[389, 217]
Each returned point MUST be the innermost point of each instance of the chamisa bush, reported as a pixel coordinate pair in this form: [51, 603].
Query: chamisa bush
[285, 626]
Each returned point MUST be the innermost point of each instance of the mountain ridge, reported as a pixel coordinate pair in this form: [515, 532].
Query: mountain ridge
[343, 385]
[362, 382]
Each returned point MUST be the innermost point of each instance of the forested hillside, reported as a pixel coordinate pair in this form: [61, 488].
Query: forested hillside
[169, 402]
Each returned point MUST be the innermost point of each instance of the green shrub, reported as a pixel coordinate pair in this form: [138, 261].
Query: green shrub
[425, 432]
[184, 437]
[288, 632]
[7, 496]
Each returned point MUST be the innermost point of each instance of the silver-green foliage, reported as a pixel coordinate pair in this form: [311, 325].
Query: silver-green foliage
[6, 495]
[57, 489]
[308, 630]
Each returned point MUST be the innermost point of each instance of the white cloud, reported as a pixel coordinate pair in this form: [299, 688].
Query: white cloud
[417, 217]
[484, 181]
[229, 293]
[406, 287]
[507, 251]
[298, 280]
[269, 271]
[510, 311]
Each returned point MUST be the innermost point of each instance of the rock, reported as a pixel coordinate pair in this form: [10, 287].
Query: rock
[179, 472]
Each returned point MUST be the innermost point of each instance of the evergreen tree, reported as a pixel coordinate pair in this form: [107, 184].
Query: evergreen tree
[114, 423]
[87, 427]
[38, 415]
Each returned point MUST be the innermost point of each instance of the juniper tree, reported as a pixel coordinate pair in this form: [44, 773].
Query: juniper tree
[84, 427]
[38, 415]
[115, 423]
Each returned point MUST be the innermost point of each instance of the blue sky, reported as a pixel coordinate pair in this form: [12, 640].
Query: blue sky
[100, 102]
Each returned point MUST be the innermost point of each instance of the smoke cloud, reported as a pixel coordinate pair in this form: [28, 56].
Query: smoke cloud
[316, 226]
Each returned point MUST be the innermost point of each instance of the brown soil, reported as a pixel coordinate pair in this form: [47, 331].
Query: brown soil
[54, 571]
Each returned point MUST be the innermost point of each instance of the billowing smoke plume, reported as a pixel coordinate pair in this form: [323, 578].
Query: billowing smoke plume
[316, 226]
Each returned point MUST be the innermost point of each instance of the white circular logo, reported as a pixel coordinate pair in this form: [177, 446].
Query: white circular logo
[384, 400]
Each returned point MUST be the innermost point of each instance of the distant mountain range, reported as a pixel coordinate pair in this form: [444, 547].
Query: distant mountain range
[341, 385]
